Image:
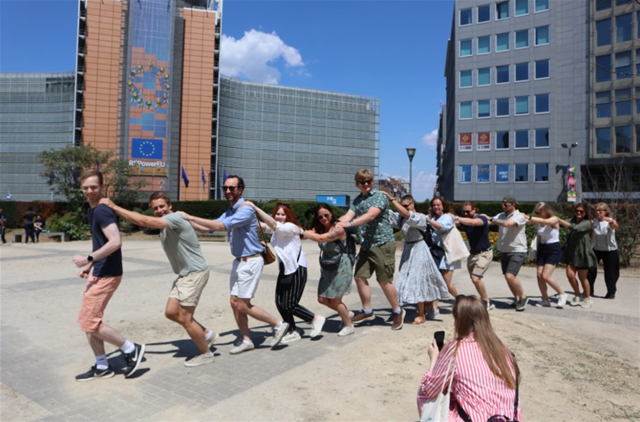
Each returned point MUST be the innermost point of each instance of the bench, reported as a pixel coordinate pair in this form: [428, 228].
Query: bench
[19, 236]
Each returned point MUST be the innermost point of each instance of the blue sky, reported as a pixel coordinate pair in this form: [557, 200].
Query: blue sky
[392, 50]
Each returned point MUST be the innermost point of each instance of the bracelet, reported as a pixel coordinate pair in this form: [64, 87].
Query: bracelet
[351, 222]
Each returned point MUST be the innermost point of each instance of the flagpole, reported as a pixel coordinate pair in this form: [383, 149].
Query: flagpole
[200, 183]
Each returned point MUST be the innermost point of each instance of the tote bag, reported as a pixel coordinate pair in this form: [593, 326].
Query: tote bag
[533, 249]
[437, 410]
[454, 247]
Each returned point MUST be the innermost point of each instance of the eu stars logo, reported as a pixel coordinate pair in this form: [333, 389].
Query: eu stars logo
[146, 148]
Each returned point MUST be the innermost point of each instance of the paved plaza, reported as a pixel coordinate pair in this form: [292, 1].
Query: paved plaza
[577, 364]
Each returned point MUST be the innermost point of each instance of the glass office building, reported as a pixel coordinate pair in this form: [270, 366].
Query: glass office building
[292, 143]
[36, 114]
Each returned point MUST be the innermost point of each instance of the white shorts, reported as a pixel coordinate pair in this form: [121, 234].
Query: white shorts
[245, 276]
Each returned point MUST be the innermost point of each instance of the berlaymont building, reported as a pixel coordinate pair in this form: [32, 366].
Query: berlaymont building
[147, 85]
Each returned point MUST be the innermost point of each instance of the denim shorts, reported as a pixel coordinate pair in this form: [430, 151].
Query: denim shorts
[549, 253]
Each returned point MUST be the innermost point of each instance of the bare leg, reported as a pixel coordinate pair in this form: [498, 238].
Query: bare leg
[241, 319]
[183, 315]
[514, 285]
[542, 283]
[448, 276]
[548, 276]
[364, 290]
[582, 275]
[104, 333]
[391, 293]
[571, 276]
[479, 285]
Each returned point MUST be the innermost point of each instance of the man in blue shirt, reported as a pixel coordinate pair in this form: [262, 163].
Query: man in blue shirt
[242, 225]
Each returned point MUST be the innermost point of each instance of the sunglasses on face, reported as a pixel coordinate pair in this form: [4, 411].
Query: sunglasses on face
[466, 211]
[406, 205]
[506, 203]
[366, 182]
[283, 204]
[229, 188]
[323, 216]
[579, 211]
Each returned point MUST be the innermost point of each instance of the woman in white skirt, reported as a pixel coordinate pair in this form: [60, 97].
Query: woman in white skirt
[419, 281]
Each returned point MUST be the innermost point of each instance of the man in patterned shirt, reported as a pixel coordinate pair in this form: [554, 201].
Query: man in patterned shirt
[368, 213]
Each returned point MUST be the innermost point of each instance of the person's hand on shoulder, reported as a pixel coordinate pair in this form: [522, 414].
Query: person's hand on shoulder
[108, 202]
[184, 214]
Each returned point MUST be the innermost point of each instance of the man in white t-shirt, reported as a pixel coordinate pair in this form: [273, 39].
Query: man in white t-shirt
[512, 243]
[180, 243]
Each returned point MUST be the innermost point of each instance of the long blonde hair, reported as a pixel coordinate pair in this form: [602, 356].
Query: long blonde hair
[471, 316]
[543, 207]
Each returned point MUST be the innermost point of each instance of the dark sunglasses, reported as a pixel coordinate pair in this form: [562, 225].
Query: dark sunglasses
[229, 188]
[366, 182]
[579, 211]
[466, 211]
[283, 204]
[507, 203]
[324, 216]
[406, 205]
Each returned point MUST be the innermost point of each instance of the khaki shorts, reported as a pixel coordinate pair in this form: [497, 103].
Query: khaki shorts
[187, 289]
[380, 260]
[96, 296]
[478, 264]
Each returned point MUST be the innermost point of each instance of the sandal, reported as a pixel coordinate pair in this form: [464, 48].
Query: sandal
[419, 320]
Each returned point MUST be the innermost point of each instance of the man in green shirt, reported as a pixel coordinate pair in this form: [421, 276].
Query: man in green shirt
[180, 243]
[368, 213]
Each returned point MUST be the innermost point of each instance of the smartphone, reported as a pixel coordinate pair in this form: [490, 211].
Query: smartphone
[439, 336]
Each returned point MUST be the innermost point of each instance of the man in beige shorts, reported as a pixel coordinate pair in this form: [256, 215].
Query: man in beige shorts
[477, 228]
[180, 243]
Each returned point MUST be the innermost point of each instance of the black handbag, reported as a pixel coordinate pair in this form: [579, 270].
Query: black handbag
[331, 264]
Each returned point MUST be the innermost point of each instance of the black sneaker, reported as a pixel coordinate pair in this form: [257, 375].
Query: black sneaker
[94, 374]
[133, 359]
[522, 303]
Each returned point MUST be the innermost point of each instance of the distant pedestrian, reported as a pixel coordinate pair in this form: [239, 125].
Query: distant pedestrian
[29, 225]
[377, 254]
[419, 280]
[38, 226]
[241, 223]
[180, 243]
[606, 250]
[549, 252]
[106, 261]
[3, 226]
[512, 244]
[578, 254]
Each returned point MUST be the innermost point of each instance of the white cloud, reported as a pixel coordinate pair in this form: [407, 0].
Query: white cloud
[423, 184]
[431, 139]
[253, 56]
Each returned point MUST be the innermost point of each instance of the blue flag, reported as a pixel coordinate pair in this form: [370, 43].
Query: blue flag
[204, 180]
[185, 178]
[146, 148]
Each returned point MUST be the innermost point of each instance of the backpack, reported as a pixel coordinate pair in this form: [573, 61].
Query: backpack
[350, 249]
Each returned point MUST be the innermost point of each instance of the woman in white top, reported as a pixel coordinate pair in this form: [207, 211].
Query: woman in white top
[549, 252]
[293, 269]
[442, 222]
[606, 249]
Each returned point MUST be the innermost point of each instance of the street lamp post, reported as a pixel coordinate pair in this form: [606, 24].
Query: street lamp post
[411, 152]
[570, 147]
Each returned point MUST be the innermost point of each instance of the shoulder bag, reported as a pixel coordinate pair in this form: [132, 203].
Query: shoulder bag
[268, 255]
[437, 410]
[454, 247]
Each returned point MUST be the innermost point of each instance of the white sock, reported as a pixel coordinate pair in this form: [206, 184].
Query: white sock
[247, 341]
[208, 335]
[279, 326]
[208, 354]
[128, 347]
[368, 311]
[398, 312]
[101, 362]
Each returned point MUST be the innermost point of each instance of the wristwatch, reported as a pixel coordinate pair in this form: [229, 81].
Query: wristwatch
[89, 258]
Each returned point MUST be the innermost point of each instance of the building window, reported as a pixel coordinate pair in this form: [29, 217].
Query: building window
[621, 2]
[502, 42]
[522, 139]
[466, 79]
[502, 140]
[522, 7]
[542, 103]
[603, 4]
[466, 17]
[465, 110]
[522, 172]
[483, 173]
[623, 65]
[623, 139]
[542, 35]
[484, 45]
[502, 173]
[603, 140]
[484, 76]
[542, 138]
[542, 172]
[637, 138]
[502, 10]
[638, 106]
[638, 61]
[522, 39]
[466, 48]
[623, 102]
[603, 32]
[522, 105]
[542, 5]
[502, 107]
[624, 24]
[502, 74]
[542, 69]
[603, 104]
[464, 174]
[522, 72]
[603, 68]
[484, 109]
[484, 13]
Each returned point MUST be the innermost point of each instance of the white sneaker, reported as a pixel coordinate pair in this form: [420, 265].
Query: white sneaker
[199, 360]
[317, 325]
[290, 338]
[214, 337]
[244, 347]
[543, 304]
[586, 303]
[279, 333]
[562, 300]
[576, 301]
[346, 330]
[490, 306]
[433, 314]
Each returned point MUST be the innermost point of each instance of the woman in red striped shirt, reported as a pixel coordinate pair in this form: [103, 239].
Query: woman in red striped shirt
[484, 381]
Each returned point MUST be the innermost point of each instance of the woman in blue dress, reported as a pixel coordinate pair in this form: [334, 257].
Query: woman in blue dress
[418, 280]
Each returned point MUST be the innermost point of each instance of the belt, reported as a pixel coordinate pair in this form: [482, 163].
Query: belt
[486, 250]
[244, 258]
[415, 241]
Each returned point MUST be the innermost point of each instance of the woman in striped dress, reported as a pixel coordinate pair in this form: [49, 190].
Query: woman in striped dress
[485, 376]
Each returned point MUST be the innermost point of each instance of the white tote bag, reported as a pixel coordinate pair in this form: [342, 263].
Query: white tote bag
[533, 249]
[437, 410]
[454, 246]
